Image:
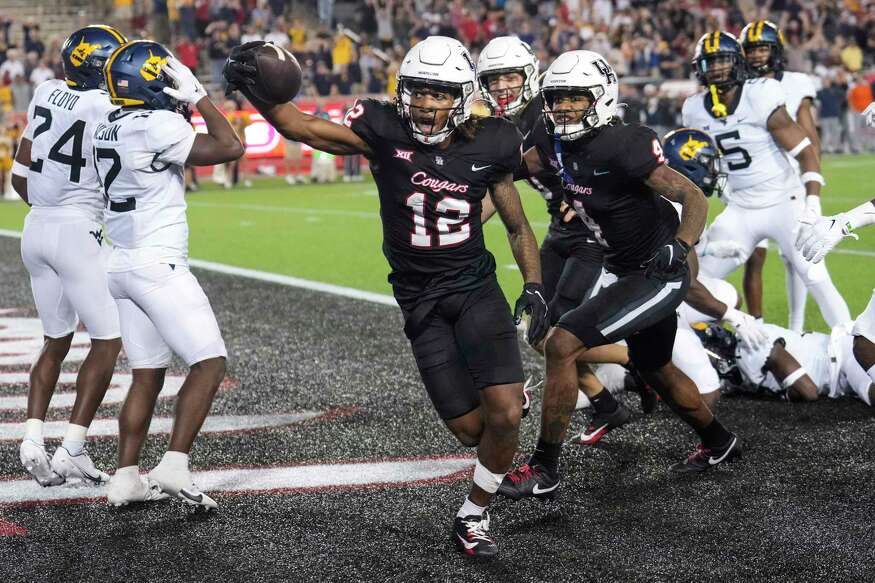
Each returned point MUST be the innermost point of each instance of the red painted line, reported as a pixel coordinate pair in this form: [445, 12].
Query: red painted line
[10, 529]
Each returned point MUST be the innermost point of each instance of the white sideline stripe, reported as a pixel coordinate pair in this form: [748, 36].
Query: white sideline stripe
[642, 308]
[118, 388]
[273, 478]
[162, 425]
[328, 288]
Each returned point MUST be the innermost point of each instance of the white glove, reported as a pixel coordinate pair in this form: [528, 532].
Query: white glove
[869, 115]
[750, 332]
[723, 249]
[817, 239]
[187, 89]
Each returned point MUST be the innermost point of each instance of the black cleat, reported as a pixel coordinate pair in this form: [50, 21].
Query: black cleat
[703, 458]
[601, 424]
[470, 536]
[531, 480]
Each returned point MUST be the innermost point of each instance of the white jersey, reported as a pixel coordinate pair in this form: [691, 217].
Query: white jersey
[140, 156]
[797, 87]
[60, 124]
[760, 173]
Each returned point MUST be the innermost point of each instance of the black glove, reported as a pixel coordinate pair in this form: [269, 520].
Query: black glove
[533, 303]
[669, 261]
[239, 70]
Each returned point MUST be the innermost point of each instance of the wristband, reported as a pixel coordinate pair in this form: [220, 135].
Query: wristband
[813, 177]
[799, 147]
[793, 377]
[19, 169]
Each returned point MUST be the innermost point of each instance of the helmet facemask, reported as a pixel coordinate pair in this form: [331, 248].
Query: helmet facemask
[774, 62]
[722, 70]
[571, 123]
[419, 116]
[714, 181]
[508, 101]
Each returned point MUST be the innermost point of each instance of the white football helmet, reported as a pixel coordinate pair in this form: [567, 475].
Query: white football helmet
[443, 63]
[575, 72]
[508, 54]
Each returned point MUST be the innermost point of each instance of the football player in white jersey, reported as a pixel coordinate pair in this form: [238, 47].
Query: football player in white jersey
[140, 151]
[749, 121]
[800, 367]
[763, 46]
[62, 249]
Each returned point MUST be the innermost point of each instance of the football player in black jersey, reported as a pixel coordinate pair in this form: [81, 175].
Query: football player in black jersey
[571, 259]
[433, 165]
[616, 178]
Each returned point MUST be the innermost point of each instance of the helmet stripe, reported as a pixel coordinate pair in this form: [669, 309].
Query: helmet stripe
[115, 33]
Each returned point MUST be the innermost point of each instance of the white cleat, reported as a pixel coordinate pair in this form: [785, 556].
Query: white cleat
[124, 490]
[179, 485]
[36, 461]
[77, 468]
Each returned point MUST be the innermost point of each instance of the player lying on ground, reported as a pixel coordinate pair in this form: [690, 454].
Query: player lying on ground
[751, 125]
[763, 46]
[799, 367]
[141, 150]
[433, 165]
[615, 177]
[62, 250]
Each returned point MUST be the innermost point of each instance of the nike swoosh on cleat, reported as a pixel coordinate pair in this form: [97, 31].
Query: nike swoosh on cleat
[538, 490]
[714, 462]
[197, 499]
[587, 436]
[466, 544]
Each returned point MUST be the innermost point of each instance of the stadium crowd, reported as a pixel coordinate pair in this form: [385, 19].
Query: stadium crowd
[354, 47]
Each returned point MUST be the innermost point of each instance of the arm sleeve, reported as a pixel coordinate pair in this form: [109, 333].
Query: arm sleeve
[638, 152]
[170, 137]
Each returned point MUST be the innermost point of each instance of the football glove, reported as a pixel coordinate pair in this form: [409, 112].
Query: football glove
[239, 70]
[186, 88]
[669, 261]
[533, 303]
[748, 329]
[819, 237]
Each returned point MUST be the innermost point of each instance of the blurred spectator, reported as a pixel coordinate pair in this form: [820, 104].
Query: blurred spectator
[41, 73]
[188, 52]
[830, 98]
[277, 34]
[322, 80]
[21, 93]
[32, 42]
[11, 68]
[859, 97]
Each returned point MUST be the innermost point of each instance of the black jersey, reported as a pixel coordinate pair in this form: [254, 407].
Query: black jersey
[604, 177]
[431, 199]
[530, 123]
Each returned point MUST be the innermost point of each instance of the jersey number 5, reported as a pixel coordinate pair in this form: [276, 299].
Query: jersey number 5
[745, 156]
[450, 230]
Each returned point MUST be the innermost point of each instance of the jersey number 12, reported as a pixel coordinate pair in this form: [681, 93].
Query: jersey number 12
[450, 230]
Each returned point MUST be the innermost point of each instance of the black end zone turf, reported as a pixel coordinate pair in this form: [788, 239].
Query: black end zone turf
[799, 506]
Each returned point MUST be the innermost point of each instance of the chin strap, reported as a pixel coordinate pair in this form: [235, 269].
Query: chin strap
[557, 148]
[717, 108]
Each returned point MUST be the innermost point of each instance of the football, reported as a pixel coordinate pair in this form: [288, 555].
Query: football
[278, 78]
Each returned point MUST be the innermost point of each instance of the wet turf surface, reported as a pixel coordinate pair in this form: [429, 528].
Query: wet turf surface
[799, 506]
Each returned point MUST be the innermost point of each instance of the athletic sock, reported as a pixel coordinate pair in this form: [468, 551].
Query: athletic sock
[127, 472]
[175, 460]
[470, 509]
[604, 402]
[33, 430]
[74, 439]
[547, 455]
[714, 435]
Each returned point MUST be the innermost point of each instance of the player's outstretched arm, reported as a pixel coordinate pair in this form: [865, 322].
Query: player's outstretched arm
[291, 122]
[805, 119]
[524, 246]
[21, 168]
[678, 188]
[792, 138]
[221, 143]
[818, 238]
[791, 374]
